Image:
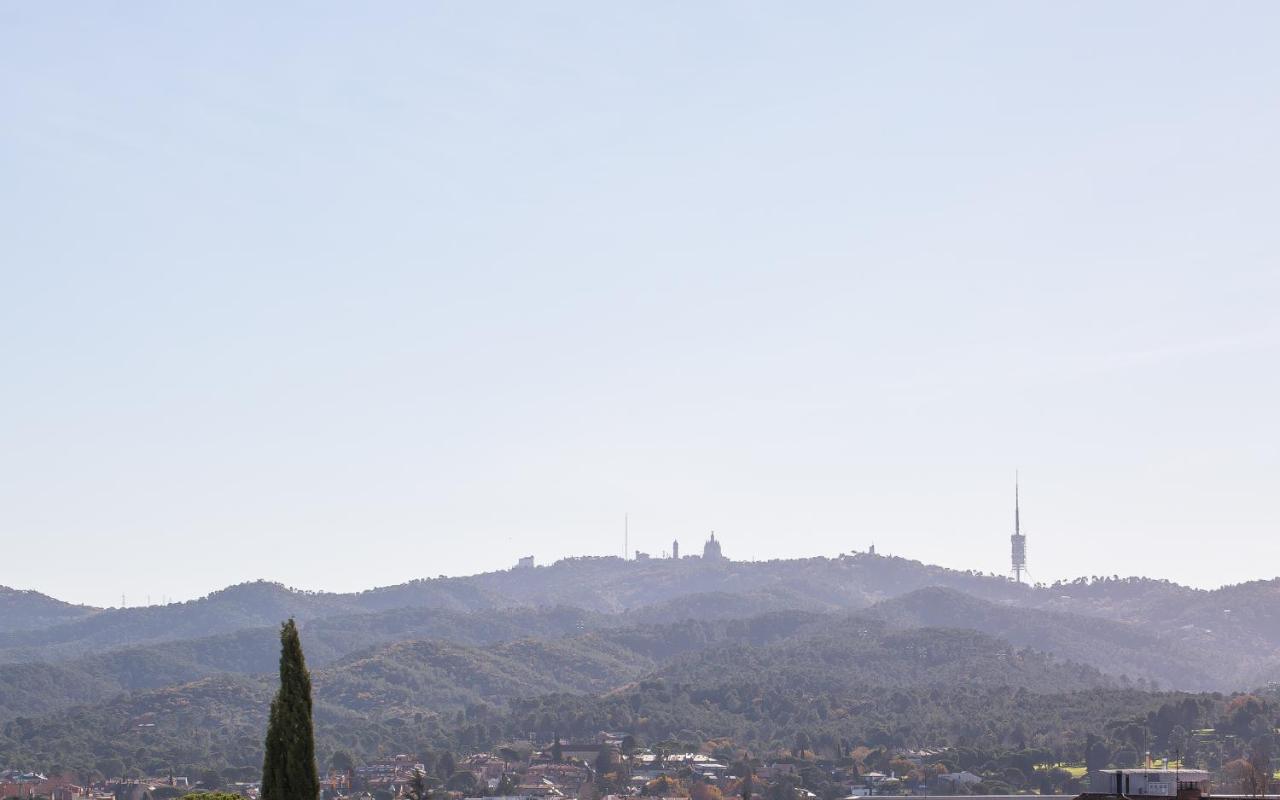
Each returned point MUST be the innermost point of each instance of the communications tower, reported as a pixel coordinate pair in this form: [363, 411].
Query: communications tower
[1018, 541]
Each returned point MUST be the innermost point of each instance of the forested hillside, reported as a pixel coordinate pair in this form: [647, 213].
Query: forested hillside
[652, 589]
[1166, 656]
[28, 688]
[23, 610]
[407, 688]
[1139, 628]
[860, 648]
[858, 652]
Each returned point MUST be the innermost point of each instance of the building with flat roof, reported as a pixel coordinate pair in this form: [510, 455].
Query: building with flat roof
[1150, 782]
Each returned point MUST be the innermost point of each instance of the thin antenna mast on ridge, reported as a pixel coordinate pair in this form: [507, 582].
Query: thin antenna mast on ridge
[626, 536]
[1018, 541]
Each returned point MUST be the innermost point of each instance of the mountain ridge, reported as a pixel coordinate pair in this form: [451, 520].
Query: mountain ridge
[1240, 622]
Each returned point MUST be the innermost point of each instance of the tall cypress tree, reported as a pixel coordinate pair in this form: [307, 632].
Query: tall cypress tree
[289, 766]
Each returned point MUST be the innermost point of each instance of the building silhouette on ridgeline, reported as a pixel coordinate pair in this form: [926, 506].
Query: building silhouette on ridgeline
[711, 550]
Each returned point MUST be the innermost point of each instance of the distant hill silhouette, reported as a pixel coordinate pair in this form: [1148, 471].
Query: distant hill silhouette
[1119, 648]
[884, 647]
[599, 585]
[1137, 628]
[1116, 624]
[21, 610]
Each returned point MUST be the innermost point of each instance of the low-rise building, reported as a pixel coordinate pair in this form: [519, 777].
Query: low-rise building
[1149, 782]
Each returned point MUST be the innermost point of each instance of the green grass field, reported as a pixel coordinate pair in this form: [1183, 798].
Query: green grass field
[1076, 770]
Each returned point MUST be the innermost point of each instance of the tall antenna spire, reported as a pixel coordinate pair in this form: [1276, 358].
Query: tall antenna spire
[1017, 521]
[1018, 541]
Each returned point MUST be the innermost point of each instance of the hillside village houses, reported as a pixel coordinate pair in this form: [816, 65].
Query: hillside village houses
[566, 771]
[32, 784]
[18, 785]
[569, 770]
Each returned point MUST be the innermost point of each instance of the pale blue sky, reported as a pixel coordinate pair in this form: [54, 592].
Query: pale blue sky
[409, 289]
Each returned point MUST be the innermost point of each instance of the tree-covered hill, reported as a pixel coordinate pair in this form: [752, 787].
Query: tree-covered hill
[526, 651]
[28, 688]
[670, 648]
[597, 585]
[417, 677]
[559, 649]
[25, 610]
[248, 605]
[1242, 618]
[430, 682]
[861, 652]
[1151, 653]
[725, 605]
[1243, 614]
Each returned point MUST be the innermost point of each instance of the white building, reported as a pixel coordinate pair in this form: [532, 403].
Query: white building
[957, 779]
[1150, 782]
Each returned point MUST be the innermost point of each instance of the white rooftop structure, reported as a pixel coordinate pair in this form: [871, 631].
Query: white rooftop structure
[1150, 782]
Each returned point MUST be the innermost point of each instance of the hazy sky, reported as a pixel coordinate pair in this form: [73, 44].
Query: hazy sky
[342, 295]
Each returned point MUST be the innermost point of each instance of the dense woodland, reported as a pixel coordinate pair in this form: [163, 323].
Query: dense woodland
[870, 655]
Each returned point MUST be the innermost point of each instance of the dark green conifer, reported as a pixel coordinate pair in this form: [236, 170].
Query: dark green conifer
[289, 766]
